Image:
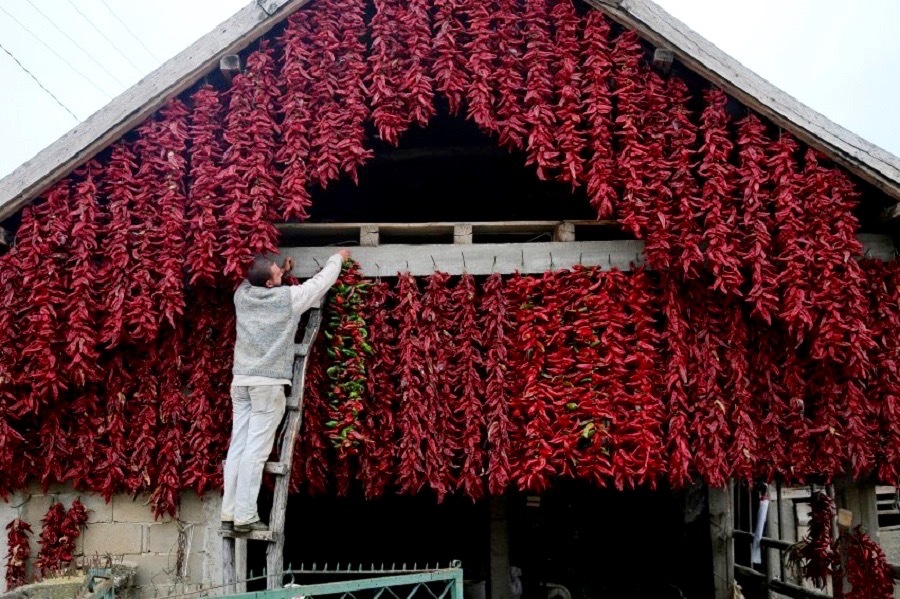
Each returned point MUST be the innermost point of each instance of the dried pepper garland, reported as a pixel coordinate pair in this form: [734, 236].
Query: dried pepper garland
[377, 459]
[18, 552]
[346, 347]
[481, 49]
[451, 77]
[540, 116]
[495, 324]
[510, 117]
[868, 571]
[49, 557]
[814, 555]
[567, 85]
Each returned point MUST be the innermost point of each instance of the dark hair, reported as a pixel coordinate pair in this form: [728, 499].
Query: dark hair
[260, 271]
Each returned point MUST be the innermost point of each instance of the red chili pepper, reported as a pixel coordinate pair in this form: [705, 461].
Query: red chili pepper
[18, 552]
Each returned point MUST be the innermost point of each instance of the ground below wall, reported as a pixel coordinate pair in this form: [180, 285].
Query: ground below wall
[170, 554]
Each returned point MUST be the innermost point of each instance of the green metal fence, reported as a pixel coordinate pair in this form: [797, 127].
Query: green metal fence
[445, 583]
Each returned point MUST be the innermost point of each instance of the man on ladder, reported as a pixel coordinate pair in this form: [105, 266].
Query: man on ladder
[267, 317]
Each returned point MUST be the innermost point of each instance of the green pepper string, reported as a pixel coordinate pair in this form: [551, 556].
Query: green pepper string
[346, 345]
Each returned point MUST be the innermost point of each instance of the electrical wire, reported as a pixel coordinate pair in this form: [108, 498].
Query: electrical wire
[103, 35]
[55, 53]
[77, 45]
[130, 32]
[38, 81]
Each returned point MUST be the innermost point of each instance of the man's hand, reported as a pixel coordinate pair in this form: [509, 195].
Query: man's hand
[288, 264]
[344, 254]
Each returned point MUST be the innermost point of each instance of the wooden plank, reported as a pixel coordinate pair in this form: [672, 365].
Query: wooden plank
[296, 230]
[476, 259]
[500, 588]
[506, 258]
[564, 231]
[462, 233]
[792, 590]
[240, 564]
[138, 102]
[368, 235]
[868, 161]
[721, 528]
[228, 563]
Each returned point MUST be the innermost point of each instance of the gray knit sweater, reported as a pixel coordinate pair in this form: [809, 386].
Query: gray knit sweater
[266, 326]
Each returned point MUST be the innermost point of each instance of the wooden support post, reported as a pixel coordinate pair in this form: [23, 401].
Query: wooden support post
[721, 531]
[499, 549]
[462, 233]
[230, 65]
[857, 504]
[227, 564]
[240, 563]
[368, 235]
[773, 555]
[564, 231]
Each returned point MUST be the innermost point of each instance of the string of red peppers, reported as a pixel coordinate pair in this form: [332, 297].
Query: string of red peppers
[18, 552]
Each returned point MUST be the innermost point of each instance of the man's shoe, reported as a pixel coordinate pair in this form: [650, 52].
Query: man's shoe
[227, 525]
[256, 526]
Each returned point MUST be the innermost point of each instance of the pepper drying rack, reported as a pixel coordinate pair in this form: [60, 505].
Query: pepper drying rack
[281, 469]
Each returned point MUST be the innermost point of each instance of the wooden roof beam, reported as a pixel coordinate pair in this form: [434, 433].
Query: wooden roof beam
[878, 167]
[135, 104]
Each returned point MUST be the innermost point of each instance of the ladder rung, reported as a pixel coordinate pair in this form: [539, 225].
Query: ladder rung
[276, 468]
[256, 535]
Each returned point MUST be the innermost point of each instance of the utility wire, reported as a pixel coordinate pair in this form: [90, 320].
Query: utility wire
[103, 35]
[38, 81]
[130, 32]
[55, 53]
[77, 45]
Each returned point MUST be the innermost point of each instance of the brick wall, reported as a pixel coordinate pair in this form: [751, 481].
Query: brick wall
[125, 529]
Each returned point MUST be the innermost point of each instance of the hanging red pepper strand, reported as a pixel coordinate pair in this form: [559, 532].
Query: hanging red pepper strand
[143, 428]
[43, 263]
[197, 444]
[441, 444]
[18, 552]
[168, 455]
[109, 469]
[884, 290]
[567, 83]
[745, 444]
[642, 430]
[247, 177]
[412, 414]
[757, 217]
[118, 272]
[510, 53]
[494, 322]
[481, 50]
[295, 107]
[451, 77]
[688, 259]
[338, 107]
[815, 554]
[467, 388]
[841, 335]
[540, 117]
[400, 88]
[655, 217]
[790, 239]
[631, 108]
[767, 386]
[868, 571]
[82, 343]
[48, 558]
[376, 459]
[598, 114]
[70, 529]
[711, 426]
[720, 208]
[205, 202]
[311, 454]
[677, 337]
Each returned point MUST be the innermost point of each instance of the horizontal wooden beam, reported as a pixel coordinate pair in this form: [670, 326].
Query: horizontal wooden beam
[476, 259]
[506, 258]
[138, 102]
[871, 163]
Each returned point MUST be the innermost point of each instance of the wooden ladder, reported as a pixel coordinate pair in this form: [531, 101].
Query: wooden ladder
[282, 471]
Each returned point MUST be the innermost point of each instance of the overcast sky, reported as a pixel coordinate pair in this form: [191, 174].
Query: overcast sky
[841, 57]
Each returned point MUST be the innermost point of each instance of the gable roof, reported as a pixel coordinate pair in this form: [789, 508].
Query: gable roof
[866, 160]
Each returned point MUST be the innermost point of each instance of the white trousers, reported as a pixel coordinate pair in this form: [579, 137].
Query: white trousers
[257, 412]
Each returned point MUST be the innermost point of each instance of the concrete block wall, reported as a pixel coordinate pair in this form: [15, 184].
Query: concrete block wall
[124, 528]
